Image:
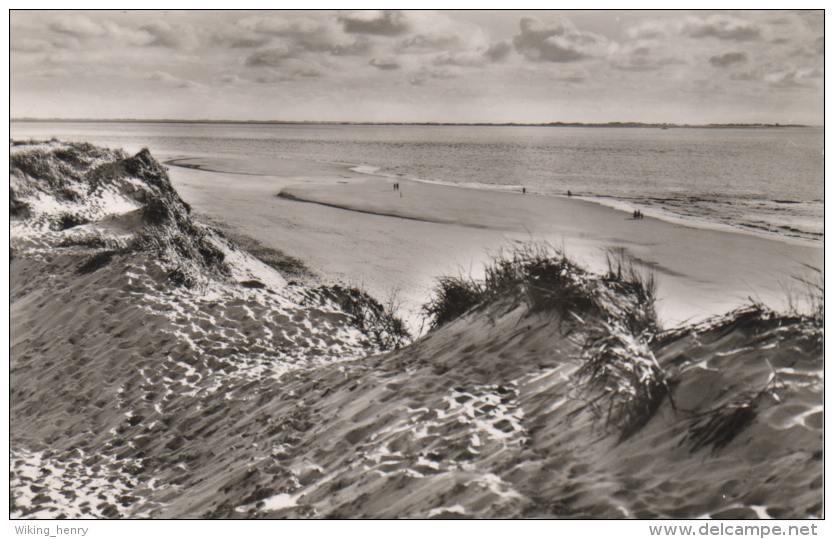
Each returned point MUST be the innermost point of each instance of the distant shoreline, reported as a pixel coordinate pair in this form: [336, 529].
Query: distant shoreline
[638, 125]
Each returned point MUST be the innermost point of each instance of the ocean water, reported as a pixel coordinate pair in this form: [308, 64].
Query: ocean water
[764, 180]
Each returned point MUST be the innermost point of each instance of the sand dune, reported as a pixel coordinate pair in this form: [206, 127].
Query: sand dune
[165, 380]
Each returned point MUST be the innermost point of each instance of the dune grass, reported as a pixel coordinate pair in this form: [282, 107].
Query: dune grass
[550, 281]
[59, 165]
[613, 315]
[380, 322]
[71, 171]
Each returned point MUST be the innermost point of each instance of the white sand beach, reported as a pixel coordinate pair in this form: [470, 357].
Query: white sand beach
[355, 228]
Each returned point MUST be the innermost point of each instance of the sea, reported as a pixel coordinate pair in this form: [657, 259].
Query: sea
[768, 180]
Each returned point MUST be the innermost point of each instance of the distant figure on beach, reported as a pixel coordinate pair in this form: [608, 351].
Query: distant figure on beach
[638, 214]
[569, 193]
[523, 190]
[396, 186]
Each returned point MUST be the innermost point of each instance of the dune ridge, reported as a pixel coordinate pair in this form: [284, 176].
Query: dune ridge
[158, 371]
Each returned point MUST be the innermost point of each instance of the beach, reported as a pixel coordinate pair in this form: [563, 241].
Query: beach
[161, 369]
[353, 227]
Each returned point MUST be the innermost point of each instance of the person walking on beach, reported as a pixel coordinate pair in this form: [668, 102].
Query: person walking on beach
[569, 193]
[523, 190]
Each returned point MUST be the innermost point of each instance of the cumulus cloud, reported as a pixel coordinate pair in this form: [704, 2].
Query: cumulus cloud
[722, 27]
[381, 23]
[165, 34]
[431, 31]
[467, 59]
[274, 56]
[559, 41]
[728, 59]
[77, 25]
[499, 51]
[309, 34]
[387, 64]
[302, 34]
[238, 37]
[356, 47]
[645, 55]
[793, 78]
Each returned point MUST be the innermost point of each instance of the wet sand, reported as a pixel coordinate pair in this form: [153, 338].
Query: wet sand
[355, 228]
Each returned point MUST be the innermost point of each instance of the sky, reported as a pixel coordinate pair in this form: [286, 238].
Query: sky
[691, 67]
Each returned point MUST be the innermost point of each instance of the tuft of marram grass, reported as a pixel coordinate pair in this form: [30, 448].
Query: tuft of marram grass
[453, 297]
[377, 321]
[549, 281]
[806, 295]
[620, 378]
[613, 313]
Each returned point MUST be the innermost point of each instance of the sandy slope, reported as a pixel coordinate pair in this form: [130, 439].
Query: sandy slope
[134, 397]
[701, 271]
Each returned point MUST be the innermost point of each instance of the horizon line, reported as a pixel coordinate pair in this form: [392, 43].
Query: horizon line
[338, 122]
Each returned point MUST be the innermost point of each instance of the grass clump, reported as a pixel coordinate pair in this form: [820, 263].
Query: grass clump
[549, 281]
[623, 381]
[809, 300]
[56, 167]
[371, 317]
[453, 297]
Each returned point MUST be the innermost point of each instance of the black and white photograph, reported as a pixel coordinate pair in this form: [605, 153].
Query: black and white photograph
[416, 264]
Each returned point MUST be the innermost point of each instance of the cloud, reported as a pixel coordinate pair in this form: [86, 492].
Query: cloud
[723, 27]
[231, 78]
[162, 76]
[290, 70]
[794, 78]
[499, 51]
[167, 35]
[385, 65]
[77, 25]
[559, 41]
[464, 59]
[238, 37]
[302, 34]
[728, 59]
[191, 85]
[357, 47]
[274, 56]
[29, 45]
[47, 73]
[384, 23]
[720, 26]
[645, 55]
